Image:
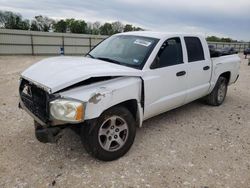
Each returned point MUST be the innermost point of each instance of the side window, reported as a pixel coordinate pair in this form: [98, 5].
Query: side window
[170, 53]
[194, 49]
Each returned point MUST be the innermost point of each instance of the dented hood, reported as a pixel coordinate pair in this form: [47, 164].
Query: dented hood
[60, 72]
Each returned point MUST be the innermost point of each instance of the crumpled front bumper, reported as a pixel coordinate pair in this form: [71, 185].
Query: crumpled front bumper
[43, 132]
[47, 134]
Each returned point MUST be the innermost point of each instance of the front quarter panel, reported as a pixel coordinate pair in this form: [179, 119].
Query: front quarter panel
[100, 96]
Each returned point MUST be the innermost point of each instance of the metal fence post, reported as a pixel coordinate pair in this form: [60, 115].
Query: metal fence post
[32, 44]
[90, 44]
[63, 46]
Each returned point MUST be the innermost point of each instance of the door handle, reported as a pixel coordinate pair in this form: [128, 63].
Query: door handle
[181, 73]
[206, 68]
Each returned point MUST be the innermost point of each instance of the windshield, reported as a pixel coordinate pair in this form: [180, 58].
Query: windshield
[128, 50]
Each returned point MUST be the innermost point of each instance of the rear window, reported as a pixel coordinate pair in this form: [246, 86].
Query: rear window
[194, 49]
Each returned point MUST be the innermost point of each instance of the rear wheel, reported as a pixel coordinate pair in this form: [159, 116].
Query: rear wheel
[218, 95]
[111, 135]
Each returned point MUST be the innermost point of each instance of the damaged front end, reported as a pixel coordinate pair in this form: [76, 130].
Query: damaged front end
[50, 116]
[77, 104]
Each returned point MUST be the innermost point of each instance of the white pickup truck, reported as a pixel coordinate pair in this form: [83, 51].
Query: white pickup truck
[123, 81]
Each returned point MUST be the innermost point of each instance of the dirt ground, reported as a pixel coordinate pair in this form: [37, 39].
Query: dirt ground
[192, 146]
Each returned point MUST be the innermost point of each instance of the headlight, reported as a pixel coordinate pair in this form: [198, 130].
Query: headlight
[67, 110]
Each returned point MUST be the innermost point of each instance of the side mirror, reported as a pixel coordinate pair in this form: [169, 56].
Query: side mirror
[156, 63]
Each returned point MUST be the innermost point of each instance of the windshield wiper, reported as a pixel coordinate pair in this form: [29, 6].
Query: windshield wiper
[109, 60]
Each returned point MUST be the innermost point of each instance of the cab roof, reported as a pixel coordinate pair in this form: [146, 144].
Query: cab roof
[158, 35]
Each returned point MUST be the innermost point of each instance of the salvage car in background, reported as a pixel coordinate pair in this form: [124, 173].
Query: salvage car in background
[213, 51]
[126, 79]
[228, 51]
[246, 52]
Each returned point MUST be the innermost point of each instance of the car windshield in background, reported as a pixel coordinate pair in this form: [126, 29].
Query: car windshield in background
[127, 50]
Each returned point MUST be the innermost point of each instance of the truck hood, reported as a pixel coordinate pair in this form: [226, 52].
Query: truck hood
[58, 73]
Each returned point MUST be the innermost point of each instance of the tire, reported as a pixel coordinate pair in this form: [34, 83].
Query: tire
[218, 95]
[111, 135]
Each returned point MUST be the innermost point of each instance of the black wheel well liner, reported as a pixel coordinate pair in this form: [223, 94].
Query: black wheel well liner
[131, 104]
[226, 75]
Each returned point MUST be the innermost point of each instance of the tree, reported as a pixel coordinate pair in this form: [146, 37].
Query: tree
[213, 39]
[128, 27]
[227, 40]
[106, 29]
[2, 19]
[218, 39]
[89, 28]
[34, 26]
[10, 20]
[77, 26]
[117, 27]
[60, 26]
[41, 23]
[137, 29]
[96, 28]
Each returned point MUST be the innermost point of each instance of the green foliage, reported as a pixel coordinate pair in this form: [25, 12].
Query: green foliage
[217, 39]
[76, 26]
[117, 27]
[138, 29]
[96, 28]
[34, 26]
[10, 20]
[128, 27]
[41, 23]
[106, 29]
[60, 26]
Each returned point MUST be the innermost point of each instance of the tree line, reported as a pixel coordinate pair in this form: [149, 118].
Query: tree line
[11, 20]
[218, 39]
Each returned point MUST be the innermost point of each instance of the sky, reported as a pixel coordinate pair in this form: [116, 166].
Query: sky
[223, 18]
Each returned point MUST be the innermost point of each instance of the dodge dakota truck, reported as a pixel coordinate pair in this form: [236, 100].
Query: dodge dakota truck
[126, 79]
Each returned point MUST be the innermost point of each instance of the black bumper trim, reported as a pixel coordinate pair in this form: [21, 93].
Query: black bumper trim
[47, 135]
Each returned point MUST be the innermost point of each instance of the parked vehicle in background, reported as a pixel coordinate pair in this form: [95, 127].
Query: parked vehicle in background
[126, 79]
[228, 51]
[246, 52]
[213, 51]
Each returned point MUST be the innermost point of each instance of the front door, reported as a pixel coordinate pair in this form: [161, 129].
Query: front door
[166, 82]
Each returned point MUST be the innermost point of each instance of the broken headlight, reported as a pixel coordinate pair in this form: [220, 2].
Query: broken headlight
[67, 110]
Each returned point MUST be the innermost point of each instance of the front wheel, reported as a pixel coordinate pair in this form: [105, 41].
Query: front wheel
[111, 135]
[218, 95]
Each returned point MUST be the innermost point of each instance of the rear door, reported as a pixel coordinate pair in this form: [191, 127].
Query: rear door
[198, 67]
[166, 81]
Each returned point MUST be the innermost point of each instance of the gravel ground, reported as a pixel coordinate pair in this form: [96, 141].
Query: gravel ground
[192, 146]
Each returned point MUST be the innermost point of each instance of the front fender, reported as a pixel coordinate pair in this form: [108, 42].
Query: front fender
[100, 96]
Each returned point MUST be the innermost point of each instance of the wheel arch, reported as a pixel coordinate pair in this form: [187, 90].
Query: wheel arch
[134, 107]
[226, 75]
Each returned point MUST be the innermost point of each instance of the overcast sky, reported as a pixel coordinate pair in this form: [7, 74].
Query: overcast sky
[221, 17]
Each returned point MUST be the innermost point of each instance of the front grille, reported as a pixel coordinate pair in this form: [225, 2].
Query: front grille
[35, 99]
